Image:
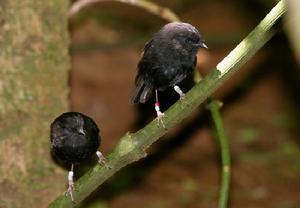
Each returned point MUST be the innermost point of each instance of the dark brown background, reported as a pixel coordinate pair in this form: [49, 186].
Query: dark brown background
[261, 113]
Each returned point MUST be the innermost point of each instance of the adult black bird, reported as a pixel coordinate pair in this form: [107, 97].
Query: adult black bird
[167, 59]
[74, 139]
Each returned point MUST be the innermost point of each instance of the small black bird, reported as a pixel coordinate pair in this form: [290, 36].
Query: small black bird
[74, 139]
[167, 59]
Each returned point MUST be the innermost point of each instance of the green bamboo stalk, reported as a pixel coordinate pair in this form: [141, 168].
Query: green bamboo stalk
[214, 107]
[132, 147]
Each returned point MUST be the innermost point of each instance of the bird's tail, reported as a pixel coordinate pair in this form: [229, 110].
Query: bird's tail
[142, 93]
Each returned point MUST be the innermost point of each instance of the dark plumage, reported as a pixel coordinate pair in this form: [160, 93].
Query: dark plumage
[168, 58]
[74, 139]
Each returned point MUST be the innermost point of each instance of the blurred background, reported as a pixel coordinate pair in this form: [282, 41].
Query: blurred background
[261, 107]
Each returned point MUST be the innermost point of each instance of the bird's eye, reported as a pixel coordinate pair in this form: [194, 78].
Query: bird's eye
[188, 40]
[195, 40]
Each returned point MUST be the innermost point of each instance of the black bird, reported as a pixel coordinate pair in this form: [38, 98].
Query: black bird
[167, 59]
[74, 139]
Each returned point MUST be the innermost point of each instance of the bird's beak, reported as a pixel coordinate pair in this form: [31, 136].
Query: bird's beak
[81, 131]
[201, 45]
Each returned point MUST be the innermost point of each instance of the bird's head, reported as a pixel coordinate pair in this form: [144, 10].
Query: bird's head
[183, 36]
[72, 123]
[78, 125]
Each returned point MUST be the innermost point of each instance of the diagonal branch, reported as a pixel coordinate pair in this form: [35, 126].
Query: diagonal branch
[132, 147]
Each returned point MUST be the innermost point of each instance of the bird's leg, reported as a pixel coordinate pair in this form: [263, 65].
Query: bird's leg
[179, 91]
[159, 114]
[101, 159]
[71, 182]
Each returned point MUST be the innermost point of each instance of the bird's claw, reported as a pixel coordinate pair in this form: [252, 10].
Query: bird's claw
[159, 119]
[182, 97]
[181, 94]
[70, 191]
[102, 159]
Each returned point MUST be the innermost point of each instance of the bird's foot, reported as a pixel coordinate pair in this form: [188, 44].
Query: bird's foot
[179, 92]
[160, 115]
[182, 98]
[70, 185]
[159, 119]
[70, 191]
[102, 160]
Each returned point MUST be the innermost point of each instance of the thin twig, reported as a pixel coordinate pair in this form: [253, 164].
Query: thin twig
[153, 8]
[214, 106]
[132, 147]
